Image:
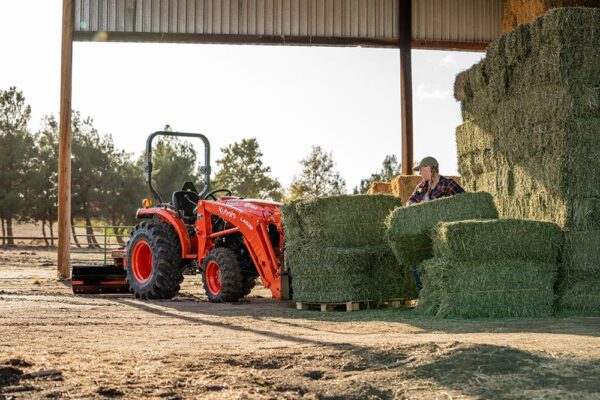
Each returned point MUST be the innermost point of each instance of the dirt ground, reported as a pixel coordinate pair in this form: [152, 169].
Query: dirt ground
[57, 345]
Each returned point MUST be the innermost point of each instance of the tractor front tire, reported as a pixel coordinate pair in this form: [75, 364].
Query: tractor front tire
[248, 283]
[222, 277]
[153, 261]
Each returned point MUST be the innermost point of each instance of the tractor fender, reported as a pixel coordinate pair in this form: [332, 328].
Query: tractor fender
[170, 217]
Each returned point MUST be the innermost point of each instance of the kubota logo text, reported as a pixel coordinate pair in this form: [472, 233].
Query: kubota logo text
[227, 213]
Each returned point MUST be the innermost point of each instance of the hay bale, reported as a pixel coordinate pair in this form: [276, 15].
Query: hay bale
[493, 239]
[580, 276]
[408, 228]
[380, 188]
[490, 288]
[404, 185]
[336, 251]
[581, 297]
[339, 221]
[518, 12]
[344, 274]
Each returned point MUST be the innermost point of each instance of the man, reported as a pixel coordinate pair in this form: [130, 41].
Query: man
[433, 186]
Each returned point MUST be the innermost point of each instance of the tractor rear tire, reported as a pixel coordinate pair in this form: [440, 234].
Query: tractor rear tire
[222, 276]
[153, 261]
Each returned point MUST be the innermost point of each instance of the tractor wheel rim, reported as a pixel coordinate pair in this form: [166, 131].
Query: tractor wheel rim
[141, 261]
[213, 277]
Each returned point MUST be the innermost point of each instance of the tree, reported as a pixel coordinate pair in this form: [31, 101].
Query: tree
[91, 177]
[43, 183]
[389, 169]
[318, 177]
[243, 172]
[125, 193]
[16, 159]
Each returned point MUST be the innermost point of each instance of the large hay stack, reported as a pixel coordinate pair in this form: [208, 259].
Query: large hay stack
[494, 268]
[336, 251]
[531, 131]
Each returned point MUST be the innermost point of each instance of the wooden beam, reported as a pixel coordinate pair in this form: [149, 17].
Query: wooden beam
[149, 37]
[449, 45]
[64, 147]
[406, 104]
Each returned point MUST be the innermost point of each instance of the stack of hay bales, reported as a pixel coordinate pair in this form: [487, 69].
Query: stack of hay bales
[494, 268]
[531, 131]
[408, 228]
[336, 252]
[403, 186]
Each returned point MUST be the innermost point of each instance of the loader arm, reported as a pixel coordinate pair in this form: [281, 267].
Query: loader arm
[255, 236]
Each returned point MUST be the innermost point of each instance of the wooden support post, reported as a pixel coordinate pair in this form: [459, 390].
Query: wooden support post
[405, 43]
[64, 147]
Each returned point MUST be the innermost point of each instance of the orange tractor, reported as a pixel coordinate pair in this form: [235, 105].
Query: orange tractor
[233, 240]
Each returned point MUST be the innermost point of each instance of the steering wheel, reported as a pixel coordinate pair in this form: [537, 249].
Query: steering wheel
[213, 192]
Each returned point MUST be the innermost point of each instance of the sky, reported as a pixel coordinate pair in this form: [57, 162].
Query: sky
[345, 99]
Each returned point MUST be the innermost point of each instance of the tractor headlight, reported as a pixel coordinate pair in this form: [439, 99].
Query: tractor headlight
[146, 203]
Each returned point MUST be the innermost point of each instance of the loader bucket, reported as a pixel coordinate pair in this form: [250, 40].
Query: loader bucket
[98, 279]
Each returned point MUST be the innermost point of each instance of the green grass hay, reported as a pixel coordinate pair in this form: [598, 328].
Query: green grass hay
[336, 251]
[491, 288]
[408, 228]
[493, 268]
[494, 239]
[531, 132]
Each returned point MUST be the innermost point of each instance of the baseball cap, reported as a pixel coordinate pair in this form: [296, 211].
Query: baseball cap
[427, 161]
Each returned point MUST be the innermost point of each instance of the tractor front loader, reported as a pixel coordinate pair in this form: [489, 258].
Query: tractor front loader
[233, 240]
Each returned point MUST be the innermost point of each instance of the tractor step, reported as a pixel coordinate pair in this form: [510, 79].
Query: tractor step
[98, 279]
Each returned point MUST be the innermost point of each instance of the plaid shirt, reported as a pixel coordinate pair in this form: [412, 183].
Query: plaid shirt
[445, 187]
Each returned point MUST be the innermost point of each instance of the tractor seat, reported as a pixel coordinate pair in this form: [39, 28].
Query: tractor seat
[184, 202]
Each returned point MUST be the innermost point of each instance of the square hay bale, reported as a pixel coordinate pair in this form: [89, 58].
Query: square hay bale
[492, 288]
[581, 297]
[493, 239]
[343, 274]
[338, 221]
[380, 188]
[579, 286]
[408, 228]
[404, 185]
[582, 253]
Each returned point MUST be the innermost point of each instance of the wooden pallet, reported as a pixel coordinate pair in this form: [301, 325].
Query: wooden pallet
[356, 305]
[341, 306]
[398, 303]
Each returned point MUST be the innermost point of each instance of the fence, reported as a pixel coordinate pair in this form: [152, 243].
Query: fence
[97, 245]
[94, 247]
